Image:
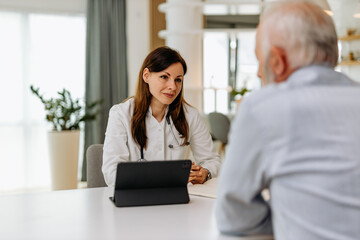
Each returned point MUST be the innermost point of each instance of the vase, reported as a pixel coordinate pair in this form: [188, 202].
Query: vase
[64, 155]
[237, 102]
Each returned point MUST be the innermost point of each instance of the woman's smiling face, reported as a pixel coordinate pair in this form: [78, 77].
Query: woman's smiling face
[165, 85]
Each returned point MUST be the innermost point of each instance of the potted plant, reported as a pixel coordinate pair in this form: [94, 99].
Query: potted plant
[65, 115]
[240, 92]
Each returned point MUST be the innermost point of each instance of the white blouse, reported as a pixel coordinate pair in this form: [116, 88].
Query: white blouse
[163, 144]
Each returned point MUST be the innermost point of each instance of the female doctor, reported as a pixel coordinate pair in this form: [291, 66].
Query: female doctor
[157, 123]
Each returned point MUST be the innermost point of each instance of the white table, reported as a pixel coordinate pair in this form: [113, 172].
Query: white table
[89, 214]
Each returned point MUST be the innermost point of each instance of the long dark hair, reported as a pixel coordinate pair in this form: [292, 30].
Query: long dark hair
[157, 60]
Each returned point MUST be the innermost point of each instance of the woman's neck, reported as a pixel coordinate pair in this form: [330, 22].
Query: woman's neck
[158, 110]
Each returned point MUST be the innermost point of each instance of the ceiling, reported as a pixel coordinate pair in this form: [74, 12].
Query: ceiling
[220, 15]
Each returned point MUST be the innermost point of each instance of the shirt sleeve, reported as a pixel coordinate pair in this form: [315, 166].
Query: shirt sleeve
[240, 208]
[202, 146]
[115, 146]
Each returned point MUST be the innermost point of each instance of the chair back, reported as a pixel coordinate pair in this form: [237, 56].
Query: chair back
[219, 126]
[95, 177]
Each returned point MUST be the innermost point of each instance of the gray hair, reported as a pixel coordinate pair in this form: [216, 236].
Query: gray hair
[303, 30]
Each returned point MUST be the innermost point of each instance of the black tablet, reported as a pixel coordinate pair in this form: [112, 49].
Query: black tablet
[152, 183]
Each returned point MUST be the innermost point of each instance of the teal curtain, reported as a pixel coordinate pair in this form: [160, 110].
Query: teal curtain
[106, 65]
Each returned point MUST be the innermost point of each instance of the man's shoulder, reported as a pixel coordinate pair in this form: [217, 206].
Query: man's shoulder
[310, 77]
[263, 95]
[319, 75]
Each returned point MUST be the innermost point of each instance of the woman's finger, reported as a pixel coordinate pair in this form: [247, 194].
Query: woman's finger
[195, 168]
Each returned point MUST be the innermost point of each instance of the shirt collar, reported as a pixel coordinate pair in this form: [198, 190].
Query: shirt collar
[149, 113]
[316, 74]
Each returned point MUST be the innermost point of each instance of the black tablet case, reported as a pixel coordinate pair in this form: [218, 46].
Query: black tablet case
[152, 183]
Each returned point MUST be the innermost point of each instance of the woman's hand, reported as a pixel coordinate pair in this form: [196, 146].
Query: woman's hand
[198, 174]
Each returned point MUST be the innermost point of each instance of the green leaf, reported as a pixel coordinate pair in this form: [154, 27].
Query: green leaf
[240, 92]
[66, 113]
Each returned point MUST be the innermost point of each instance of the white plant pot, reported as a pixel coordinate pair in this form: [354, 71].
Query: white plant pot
[64, 154]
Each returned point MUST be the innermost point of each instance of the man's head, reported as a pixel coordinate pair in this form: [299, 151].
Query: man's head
[292, 35]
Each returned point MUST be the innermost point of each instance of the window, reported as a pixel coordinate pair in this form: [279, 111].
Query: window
[247, 64]
[48, 51]
[216, 72]
[229, 62]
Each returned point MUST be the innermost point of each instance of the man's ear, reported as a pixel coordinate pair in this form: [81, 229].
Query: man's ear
[279, 63]
[146, 74]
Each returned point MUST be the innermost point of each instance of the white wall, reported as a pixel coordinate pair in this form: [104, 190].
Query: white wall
[343, 18]
[343, 11]
[138, 38]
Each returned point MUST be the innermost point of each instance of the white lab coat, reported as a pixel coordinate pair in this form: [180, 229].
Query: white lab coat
[120, 146]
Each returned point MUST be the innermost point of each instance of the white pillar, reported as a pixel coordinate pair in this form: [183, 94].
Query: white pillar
[184, 23]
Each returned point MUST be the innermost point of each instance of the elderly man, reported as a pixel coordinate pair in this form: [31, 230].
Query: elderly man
[299, 137]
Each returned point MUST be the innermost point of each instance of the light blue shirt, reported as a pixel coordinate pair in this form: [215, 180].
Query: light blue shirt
[300, 139]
